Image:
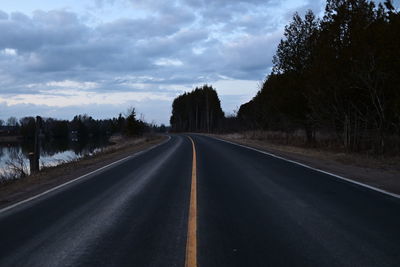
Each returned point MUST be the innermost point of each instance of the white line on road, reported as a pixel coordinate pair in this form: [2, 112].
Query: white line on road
[315, 169]
[80, 177]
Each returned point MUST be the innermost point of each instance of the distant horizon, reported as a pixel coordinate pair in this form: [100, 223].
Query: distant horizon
[147, 111]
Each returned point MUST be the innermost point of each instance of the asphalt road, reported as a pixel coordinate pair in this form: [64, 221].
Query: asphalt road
[252, 210]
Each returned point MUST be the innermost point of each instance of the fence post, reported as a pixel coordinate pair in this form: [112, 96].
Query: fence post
[35, 156]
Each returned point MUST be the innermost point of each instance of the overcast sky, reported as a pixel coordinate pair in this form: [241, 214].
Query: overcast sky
[99, 57]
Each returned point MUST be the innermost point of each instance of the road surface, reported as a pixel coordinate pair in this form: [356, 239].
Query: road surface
[249, 209]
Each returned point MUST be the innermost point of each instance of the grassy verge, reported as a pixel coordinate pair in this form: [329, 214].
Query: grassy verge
[49, 177]
[380, 172]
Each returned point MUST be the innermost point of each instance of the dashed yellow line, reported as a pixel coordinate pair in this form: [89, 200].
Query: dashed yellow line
[191, 243]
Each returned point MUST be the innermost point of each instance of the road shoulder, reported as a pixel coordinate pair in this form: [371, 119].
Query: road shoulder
[372, 172]
[55, 176]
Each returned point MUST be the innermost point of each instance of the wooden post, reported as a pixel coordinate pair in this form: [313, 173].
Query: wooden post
[32, 164]
[35, 156]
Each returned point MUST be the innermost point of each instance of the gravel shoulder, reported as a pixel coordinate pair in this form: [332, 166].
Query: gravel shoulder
[383, 173]
[21, 189]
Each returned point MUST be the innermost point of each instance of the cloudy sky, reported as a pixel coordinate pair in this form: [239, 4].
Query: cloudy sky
[67, 57]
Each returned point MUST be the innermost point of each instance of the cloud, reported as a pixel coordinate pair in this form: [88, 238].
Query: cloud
[9, 52]
[168, 62]
[73, 84]
[3, 15]
[102, 3]
[43, 29]
[150, 26]
[153, 51]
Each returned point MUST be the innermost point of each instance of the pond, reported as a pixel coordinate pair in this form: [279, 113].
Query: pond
[52, 153]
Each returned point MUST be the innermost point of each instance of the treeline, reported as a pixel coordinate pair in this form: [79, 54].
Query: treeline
[197, 111]
[81, 127]
[338, 74]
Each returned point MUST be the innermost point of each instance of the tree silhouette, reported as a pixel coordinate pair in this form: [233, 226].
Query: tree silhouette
[339, 74]
[197, 111]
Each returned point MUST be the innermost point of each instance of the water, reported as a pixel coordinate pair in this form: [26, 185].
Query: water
[53, 153]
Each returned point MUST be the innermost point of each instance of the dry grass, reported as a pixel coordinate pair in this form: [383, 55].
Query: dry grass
[297, 145]
[15, 168]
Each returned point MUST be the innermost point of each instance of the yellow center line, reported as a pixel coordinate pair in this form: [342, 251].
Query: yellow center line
[191, 243]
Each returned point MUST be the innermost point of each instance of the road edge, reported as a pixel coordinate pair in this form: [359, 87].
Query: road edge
[376, 189]
[57, 187]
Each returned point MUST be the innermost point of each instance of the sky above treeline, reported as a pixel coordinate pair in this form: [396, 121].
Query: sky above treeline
[100, 57]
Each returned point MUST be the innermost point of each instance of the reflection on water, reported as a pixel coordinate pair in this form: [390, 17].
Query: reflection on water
[53, 152]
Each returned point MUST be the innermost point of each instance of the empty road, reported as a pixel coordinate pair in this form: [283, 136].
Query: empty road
[203, 203]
